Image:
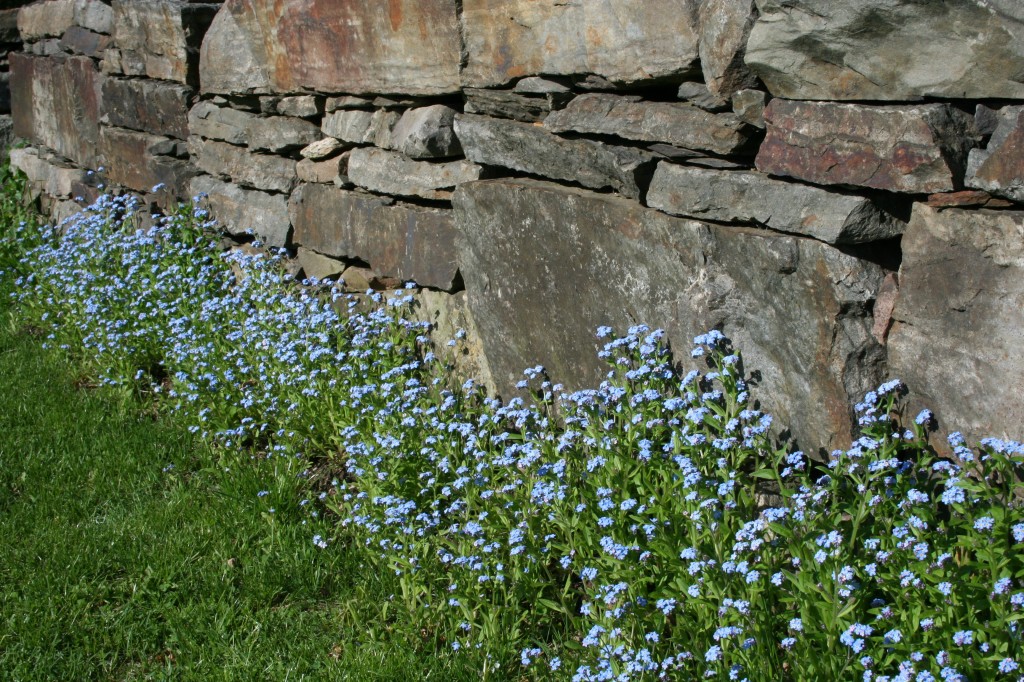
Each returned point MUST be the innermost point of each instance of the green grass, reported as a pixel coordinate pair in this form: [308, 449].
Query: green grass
[112, 568]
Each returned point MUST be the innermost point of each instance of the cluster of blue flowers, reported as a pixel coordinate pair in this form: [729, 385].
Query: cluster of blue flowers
[644, 529]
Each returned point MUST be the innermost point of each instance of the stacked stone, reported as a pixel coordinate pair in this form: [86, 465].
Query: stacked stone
[836, 186]
[106, 87]
[10, 40]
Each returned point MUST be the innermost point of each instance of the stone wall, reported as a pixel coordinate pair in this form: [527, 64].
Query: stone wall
[838, 186]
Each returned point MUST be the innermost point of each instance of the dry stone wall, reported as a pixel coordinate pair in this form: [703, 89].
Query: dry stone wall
[838, 186]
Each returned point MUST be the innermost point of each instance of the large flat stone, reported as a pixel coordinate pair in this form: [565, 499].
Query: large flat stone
[141, 161]
[163, 35]
[405, 242]
[78, 40]
[999, 168]
[256, 171]
[246, 211]
[956, 339]
[918, 149]
[889, 49]
[387, 172]
[208, 120]
[572, 260]
[530, 149]
[676, 123]
[151, 106]
[55, 103]
[620, 40]
[751, 197]
[724, 30]
[402, 46]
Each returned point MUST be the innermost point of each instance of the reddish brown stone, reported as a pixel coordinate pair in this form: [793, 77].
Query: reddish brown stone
[968, 198]
[399, 46]
[151, 106]
[620, 40]
[397, 240]
[138, 161]
[916, 149]
[55, 103]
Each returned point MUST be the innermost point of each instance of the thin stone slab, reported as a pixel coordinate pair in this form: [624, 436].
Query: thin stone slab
[895, 50]
[141, 161]
[999, 168]
[56, 104]
[403, 46]
[916, 149]
[753, 198]
[956, 336]
[633, 119]
[387, 172]
[213, 122]
[280, 133]
[301, 106]
[246, 211]
[156, 107]
[510, 104]
[409, 243]
[323, 149]
[573, 260]
[249, 169]
[528, 148]
[639, 41]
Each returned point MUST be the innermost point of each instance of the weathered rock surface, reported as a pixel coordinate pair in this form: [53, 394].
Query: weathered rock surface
[699, 95]
[280, 133]
[361, 127]
[141, 161]
[56, 178]
[387, 172]
[396, 240]
[572, 260]
[241, 211]
[319, 266]
[48, 19]
[627, 117]
[956, 339]
[94, 15]
[750, 197]
[919, 149]
[208, 120]
[151, 106]
[164, 35]
[78, 40]
[749, 106]
[724, 30]
[300, 106]
[258, 171]
[329, 170]
[322, 149]
[889, 49]
[511, 104]
[426, 133]
[999, 168]
[9, 33]
[507, 39]
[527, 148]
[406, 46]
[55, 102]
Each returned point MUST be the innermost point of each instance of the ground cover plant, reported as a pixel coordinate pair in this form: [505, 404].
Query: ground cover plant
[648, 528]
